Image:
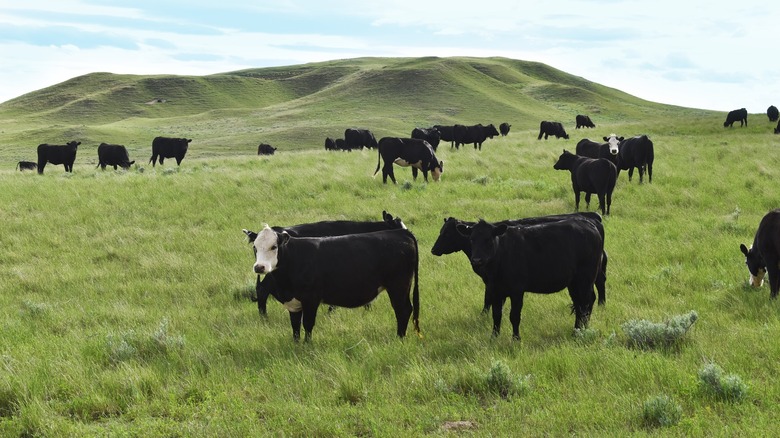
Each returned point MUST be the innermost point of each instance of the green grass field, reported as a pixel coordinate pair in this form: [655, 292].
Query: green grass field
[125, 303]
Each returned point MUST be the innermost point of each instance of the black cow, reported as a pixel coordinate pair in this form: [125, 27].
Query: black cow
[552, 128]
[265, 149]
[57, 154]
[113, 155]
[772, 113]
[330, 144]
[407, 152]
[167, 147]
[543, 258]
[431, 135]
[504, 128]
[450, 241]
[359, 138]
[739, 115]
[589, 175]
[592, 149]
[476, 134]
[319, 229]
[342, 145]
[583, 122]
[763, 257]
[345, 271]
[446, 133]
[26, 165]
[777, 129]
[634, 152]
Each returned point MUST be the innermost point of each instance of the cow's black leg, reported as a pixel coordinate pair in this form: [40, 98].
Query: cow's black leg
[576, 200]
[602, 202]
[295, 322]
[414, 174]
[516, 301]
[262, 298]
[587, 200]
[630, 173]
[609, 202]
[309, 318]
[487, 301]
[601, 280]
[41, 165]
[402, 305]
[773, 272]
[498, 308]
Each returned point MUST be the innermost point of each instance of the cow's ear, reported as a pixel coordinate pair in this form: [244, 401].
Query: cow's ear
[463, 230]
[282, 238]
[251, 235]
[499, 230]
[744, 249]
[387, 217]
[605, 138]
[621, 138]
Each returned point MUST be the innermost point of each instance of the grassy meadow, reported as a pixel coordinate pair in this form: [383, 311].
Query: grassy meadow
[125, 295]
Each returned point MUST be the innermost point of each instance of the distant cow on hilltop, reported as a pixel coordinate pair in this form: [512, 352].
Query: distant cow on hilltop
[739, 115]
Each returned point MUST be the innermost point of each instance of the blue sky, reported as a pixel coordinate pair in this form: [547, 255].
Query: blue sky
[704, 54]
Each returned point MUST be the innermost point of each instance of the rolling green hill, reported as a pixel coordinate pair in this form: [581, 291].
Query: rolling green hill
[296, 107]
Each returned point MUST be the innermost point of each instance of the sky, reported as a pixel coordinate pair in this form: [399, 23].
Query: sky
[713, 54]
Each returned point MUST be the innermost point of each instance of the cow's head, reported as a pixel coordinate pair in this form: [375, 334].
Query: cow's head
[266, 248]
[74, 144]
[437, 167]
[614, 143]
[490, 131]
[565, 161]
[483, 238]
[755, 264]
[450, 240]
[393, 222]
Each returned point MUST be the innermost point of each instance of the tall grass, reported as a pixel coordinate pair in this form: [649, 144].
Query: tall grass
[125, 309]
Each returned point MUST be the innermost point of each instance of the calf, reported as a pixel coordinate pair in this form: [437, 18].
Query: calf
[543, 258]
[583, 122]
[739, 115]
[57, 154]
[113, 155]
[635, 152]
[589, 175]
[407, 152]
[345, 271]
[26, 165]
[552, 128]
[763, 256]
[450, 241]
[267, 285]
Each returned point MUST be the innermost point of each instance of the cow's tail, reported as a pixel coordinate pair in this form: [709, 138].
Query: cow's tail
[378, 161]
[17, 166]
[416, 291]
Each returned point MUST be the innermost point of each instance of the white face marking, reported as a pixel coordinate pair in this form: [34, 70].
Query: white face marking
[293, 306]
[613, 144]
[758, 280]
[266, 251]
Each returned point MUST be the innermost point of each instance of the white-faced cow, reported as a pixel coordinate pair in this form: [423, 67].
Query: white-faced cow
[635, 152]
[265, 149]
[772, 113]
[450, 241]
[592, 149]
[431, 135]
[543, 258]
[168, 147]
[589, 175]
[583, 122]
[267, 285]
[26, 165]
[552, 128]
[763, 256]
[344, 271]
[476, 134]
[113, 155]
[504, 129]
[738, 115]
[57, 154]
[359, 138]
[407, 152]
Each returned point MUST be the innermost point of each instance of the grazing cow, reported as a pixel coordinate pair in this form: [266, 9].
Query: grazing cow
[167, 147]
[330, 144]
[772, 113]
[446, 133]
[592, 149]
[475, 134]
[739, 115]
[763, 257]
[26, 165]
[777, 129]
[345, 271]
[589, 175]
[319, 229]
[634, 152]
[57, 154]
[450, 241]
[359, 138]
[342, 145]
[113, 155]
[584, 122]
[431, 135]
[407, 152]
[552, 128]
[543, 258]
[265, 149]
[504, 128]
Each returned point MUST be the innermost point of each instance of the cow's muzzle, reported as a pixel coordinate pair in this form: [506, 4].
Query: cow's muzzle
[259, 269]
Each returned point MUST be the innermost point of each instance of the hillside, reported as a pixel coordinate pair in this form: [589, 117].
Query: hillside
[296, 107]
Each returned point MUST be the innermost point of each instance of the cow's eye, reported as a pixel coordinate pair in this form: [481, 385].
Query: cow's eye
[273, 248]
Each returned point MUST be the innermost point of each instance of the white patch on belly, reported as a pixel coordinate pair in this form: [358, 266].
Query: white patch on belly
[293, 306]
[403, 163]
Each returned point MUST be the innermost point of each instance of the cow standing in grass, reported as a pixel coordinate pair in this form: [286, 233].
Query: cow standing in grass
[763, 256]
[407, 152]
[113, 155]
[589, 175]
[57, 154]
[167, 147]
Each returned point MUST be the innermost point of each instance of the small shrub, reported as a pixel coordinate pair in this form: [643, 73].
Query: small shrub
[35, 309]
[649, 335]
[586, 336]
[482, 180]
[351, 392]
[661, 411]
[499, 380]
[129, 345]
[729, 387]
[406, 186]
